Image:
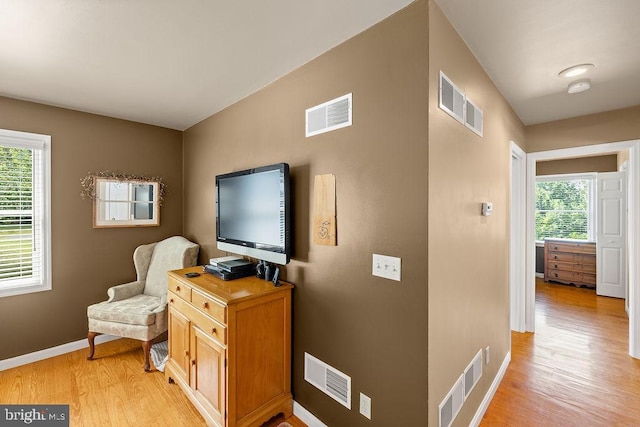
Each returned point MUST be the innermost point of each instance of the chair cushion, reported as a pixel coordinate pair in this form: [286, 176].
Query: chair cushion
[137, 310]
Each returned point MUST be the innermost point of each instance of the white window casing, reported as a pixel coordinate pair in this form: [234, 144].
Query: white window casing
[25, 212]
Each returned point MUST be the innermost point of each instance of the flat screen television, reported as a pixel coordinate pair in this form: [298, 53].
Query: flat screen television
[253, 213]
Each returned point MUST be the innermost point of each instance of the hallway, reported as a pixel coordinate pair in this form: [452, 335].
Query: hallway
[575, 370]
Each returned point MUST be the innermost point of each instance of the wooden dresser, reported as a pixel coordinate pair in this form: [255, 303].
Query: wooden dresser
[230, 346]
[570, 261]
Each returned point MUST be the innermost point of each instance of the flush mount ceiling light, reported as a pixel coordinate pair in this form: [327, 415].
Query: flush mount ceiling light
[576, 70]
[579, 85]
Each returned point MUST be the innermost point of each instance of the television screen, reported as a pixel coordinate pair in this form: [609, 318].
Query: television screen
[253, 213]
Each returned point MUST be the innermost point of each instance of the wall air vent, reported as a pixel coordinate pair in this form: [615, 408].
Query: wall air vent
[451, 98]
[458, 106]
[451, 404]
[473, 117]
[328, 379]
[331, 115]
[472, 374]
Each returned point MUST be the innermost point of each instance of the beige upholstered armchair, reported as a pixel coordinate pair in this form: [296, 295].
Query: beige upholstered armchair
[138, 309]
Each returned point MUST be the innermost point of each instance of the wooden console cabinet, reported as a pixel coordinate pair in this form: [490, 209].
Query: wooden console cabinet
[230, 346]
[570, 261]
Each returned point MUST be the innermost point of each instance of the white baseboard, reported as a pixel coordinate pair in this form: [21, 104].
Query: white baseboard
[51, 352]
[475, 422]
[305, 416]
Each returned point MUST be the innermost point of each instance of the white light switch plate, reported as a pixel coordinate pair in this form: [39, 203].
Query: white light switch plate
[388, 267]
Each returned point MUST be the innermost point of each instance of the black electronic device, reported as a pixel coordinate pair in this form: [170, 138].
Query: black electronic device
[253, 213]
[228, 275]
[260, 270]
[235, 265]
[191, 274]
[276, 277]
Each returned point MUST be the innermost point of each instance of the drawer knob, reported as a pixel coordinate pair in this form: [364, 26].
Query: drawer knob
[193, 362]
[214, 330]
[178, 288]
[205, 305]
[186, 353]
[556, 274]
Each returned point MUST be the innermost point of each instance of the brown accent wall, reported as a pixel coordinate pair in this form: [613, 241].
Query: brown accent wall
[85, 261]
[468, 253]
[608, 163]
[610, 126]
[372, 329]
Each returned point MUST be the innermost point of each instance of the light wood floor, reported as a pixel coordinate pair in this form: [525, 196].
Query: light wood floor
[112, 390]
[575, 370]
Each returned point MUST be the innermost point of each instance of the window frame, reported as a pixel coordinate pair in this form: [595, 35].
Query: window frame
[17, 139]
[592, 212]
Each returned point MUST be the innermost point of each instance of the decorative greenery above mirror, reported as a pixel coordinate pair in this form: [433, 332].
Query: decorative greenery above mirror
[121, 200]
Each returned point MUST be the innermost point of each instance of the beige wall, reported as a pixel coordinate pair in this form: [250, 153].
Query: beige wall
[86, 261]
[610, 126]
[372, 329]
[468, 253]
[608, 163]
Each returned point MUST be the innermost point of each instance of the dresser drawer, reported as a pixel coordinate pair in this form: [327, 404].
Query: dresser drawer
[582, 248]
[180, 289]
[209, 306]
[214, 329]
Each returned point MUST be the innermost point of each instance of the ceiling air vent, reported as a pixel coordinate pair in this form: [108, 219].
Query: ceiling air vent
[329, 380]
[331, 115]
[473, 117]
[451, 98]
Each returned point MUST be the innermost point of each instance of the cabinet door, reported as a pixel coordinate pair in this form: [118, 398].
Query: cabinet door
[208, 376]
[179, 358]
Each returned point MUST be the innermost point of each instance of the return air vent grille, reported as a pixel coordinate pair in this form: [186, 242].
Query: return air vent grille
[451, 404]
[328, 379]
[455, 103]
[472, 374]
[473, 117]
[451, 98]
[331, 115]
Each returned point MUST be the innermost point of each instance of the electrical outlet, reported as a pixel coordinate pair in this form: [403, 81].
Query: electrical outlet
[387, 266]
[486, 355]
[365, 405]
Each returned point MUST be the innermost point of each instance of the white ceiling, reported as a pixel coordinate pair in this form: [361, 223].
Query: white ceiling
[524, 44]
[166, 62]
[173, 63]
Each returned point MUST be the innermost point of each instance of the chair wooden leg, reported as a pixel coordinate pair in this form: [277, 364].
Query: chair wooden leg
[91, 336]
[146, 348]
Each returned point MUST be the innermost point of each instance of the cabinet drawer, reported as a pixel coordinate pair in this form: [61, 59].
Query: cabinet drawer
[575, 277]
[582, 248]
[564, 266]
[216, 330]
[209, 306]
[180, 289]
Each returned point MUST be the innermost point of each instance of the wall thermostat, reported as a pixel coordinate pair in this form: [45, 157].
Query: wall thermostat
[487, 208]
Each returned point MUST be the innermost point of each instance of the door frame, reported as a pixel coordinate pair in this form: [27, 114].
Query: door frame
[526, 308]
[517, 262]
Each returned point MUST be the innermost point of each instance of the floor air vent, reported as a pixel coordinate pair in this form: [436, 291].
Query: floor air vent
[472, 374]
[328, 379]
[331, 115]
[451, 404]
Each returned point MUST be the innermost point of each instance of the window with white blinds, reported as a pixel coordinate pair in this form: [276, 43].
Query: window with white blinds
[25, 255]
[565, 207]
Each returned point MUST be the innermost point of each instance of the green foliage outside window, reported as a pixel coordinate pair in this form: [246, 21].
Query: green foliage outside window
[16, 225]
[562, 209]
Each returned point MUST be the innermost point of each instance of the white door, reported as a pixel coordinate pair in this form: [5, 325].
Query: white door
[611, 269]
